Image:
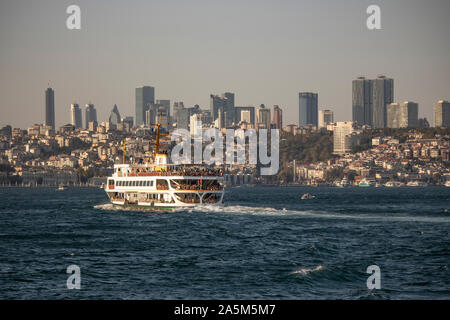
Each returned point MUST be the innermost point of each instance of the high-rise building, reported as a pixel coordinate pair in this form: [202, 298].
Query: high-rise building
[344, 137]
[382, 95]
[362, 101]
[75, 113]
[325, 117]
[216, 103]
[224, 103]
[144, 97]
[183, 117]
[264, 116]
[114, 117]
[50, 108]
[128, 121]
[442, 114]
[90, 114]
[195, 125]
[308, 109]
[245, 116]
[370, 98]
[229, 111]
[278, 117]
[402, 115]
[177, 105]
[238, 114]
[166, 104]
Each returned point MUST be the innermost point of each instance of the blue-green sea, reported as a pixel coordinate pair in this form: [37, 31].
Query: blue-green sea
[264, 243]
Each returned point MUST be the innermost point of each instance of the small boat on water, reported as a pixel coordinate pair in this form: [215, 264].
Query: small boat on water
[365, 183]
[416, 184]
[307, 196]
[62, 187]
[394, 184]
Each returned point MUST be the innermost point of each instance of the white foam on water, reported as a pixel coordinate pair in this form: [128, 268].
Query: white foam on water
[269, 211]
[305, 271]
[105, 206]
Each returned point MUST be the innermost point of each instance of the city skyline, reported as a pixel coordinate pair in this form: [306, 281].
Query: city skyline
[105, 60]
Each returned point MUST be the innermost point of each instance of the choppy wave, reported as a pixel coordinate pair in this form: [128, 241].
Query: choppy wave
[305, 271]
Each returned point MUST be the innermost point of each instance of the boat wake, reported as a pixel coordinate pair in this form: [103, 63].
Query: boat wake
[269, 211]
[109, 207]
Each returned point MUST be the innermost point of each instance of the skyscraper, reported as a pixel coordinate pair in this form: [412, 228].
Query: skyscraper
[308, 108]
[238, 114]
[216, 103]
[224, 103]
[362, 101]
[325, 117]
[90, 114]
[177, 105]
[382, 95]
[144, 97]
[114, 117]
[50, 108]
[229, 112]
[245, 116]
[442, 114]
[183, 117]
[75, 113]
[165, 104]
[278, 117]
[370, 98]
[264, 116]
[402, 115]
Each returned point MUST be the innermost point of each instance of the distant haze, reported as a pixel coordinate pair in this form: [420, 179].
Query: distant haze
[263, 51]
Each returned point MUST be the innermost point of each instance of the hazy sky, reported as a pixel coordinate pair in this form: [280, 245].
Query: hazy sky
[263, 51]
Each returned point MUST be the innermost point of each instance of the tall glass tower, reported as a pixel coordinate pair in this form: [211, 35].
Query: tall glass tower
[362, 101]
[144, 97]
[382, 95]
[308, 110]
[50, 108]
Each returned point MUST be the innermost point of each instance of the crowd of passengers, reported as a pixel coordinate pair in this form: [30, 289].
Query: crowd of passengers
[215, 187]
[192, 172]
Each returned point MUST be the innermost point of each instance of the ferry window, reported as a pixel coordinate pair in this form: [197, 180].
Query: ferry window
[151, 183]
[118, 183]
[111, 182]
[141, 183]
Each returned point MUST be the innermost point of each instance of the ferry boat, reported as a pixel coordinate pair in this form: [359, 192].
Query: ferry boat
[365, 183]
[157, 185]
